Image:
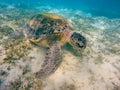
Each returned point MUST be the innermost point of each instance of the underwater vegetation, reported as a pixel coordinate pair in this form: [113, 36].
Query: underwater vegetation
[15, 49]
[97, 67]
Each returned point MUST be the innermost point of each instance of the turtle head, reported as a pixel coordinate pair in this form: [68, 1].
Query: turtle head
[78, 40]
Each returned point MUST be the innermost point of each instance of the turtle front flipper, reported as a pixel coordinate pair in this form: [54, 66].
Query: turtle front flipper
[51, 62]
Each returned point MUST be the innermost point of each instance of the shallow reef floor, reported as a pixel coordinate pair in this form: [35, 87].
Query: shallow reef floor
[95, 68]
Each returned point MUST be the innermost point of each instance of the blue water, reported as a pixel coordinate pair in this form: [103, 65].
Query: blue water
[107, 8]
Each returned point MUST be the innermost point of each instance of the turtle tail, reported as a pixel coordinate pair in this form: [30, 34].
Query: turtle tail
[51, 62]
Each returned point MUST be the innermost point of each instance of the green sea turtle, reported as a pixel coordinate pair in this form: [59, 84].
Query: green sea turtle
[53, 31]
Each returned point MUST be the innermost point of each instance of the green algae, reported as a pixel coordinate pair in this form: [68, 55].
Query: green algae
[5, 30]
[15, 49]
[26, 69]
[16, 84]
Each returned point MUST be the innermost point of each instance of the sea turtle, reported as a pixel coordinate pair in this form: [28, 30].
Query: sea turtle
[52, 31]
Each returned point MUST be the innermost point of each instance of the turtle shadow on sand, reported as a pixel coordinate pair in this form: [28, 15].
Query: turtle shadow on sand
[52, 32]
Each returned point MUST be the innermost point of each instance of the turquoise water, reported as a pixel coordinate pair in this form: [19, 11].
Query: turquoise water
[95, 68]
[108, 8]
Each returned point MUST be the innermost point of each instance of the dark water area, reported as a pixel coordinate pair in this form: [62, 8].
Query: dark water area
[107, 8]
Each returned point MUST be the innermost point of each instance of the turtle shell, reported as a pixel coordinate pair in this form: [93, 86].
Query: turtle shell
[50, 25]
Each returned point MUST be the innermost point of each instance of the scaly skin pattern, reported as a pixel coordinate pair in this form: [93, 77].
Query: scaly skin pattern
[51, 62]
[49, 25]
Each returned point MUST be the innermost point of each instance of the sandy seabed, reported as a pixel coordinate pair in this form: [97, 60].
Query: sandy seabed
[95, 68]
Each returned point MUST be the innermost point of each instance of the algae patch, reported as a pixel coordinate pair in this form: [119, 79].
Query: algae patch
[15, 49]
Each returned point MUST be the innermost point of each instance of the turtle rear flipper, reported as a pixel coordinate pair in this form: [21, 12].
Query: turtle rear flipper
[24, 31]
[21, 32]
[16, 34]
[51, 62]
